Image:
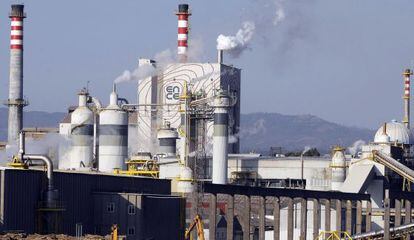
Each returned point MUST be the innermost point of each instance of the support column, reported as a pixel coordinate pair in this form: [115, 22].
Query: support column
[290, 219]
[303, 218]
[368, 214]
[338, 215]
[327, 215]
[246, 222]
[407, 218]
[358, 217]
[386, 216]
[276, 216]
[348, 216]
[262, 217]
[213, 217]
[397, 218]
[230, 216]
[316, 216]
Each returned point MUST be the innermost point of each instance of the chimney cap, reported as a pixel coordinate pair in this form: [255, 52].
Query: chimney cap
[17, 10]
[407, 72]
[183, 8]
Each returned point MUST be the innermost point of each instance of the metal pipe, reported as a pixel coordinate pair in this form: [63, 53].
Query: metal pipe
[407, 74]
[47, 162]
[379, 233]
[98, 108]
[22, 144]
[122, 101]
[27, 158]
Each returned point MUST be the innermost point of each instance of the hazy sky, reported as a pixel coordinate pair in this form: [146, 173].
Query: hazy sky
[339, 60]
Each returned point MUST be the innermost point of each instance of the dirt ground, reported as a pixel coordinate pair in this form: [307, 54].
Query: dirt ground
[18, 236]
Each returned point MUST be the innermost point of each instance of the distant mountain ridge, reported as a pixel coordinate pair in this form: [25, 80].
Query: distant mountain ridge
[30, 119]
[258, 131]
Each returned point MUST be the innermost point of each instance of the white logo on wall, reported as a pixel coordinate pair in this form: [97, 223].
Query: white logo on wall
[172, 93]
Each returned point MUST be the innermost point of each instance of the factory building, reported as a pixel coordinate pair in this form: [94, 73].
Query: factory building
[159, 99]
[149, 164]
[93, 200]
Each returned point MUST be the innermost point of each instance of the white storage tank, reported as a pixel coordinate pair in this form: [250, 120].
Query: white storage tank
[167, 137]
[81, 153]
[338, 167]
[185, 182]
[113, 136]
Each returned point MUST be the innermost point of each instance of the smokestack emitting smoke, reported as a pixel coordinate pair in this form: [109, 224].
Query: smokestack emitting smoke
[15, 101]
[406, 119]
[183, 14]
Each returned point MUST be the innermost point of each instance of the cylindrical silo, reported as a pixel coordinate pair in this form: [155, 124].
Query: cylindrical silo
[81, 135]
[167, 137]
[338, 168]
[220, 138]
[113, 136]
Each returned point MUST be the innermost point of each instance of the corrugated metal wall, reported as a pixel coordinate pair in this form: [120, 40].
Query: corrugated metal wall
[22, 191]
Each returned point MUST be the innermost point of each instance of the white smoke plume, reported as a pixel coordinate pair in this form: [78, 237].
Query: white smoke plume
[279, 13]
[148, 70]
[258, 127]
[356, 146]
[233, 138]
[306, 149]
[50, 145]
[235, 45]
[7, 154]
[139, 73]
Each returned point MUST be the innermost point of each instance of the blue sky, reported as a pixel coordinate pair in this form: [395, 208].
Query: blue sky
[339, 60]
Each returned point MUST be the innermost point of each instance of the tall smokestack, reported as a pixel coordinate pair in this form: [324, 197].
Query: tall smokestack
[220, 56]
[183, 14]
[220, 138]
[407, 74]
[15, 101]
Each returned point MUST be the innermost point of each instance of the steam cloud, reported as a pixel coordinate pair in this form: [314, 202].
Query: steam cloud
[148, 70]
[306, 149]
[356, 146]
[235, 45]
[137, 74]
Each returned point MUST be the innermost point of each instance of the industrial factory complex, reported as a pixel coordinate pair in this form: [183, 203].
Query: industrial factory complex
[185, 177]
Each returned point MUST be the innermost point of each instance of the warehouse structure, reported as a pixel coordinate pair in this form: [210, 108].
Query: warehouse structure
[94, 200]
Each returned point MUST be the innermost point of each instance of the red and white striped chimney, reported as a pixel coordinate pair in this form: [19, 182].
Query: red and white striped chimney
[407, 74]
[183, 14]
[15, 101]
[16, 34]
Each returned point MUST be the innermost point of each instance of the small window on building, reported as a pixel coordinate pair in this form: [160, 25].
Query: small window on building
[110, 207]
[131, 209]
[131, 231]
